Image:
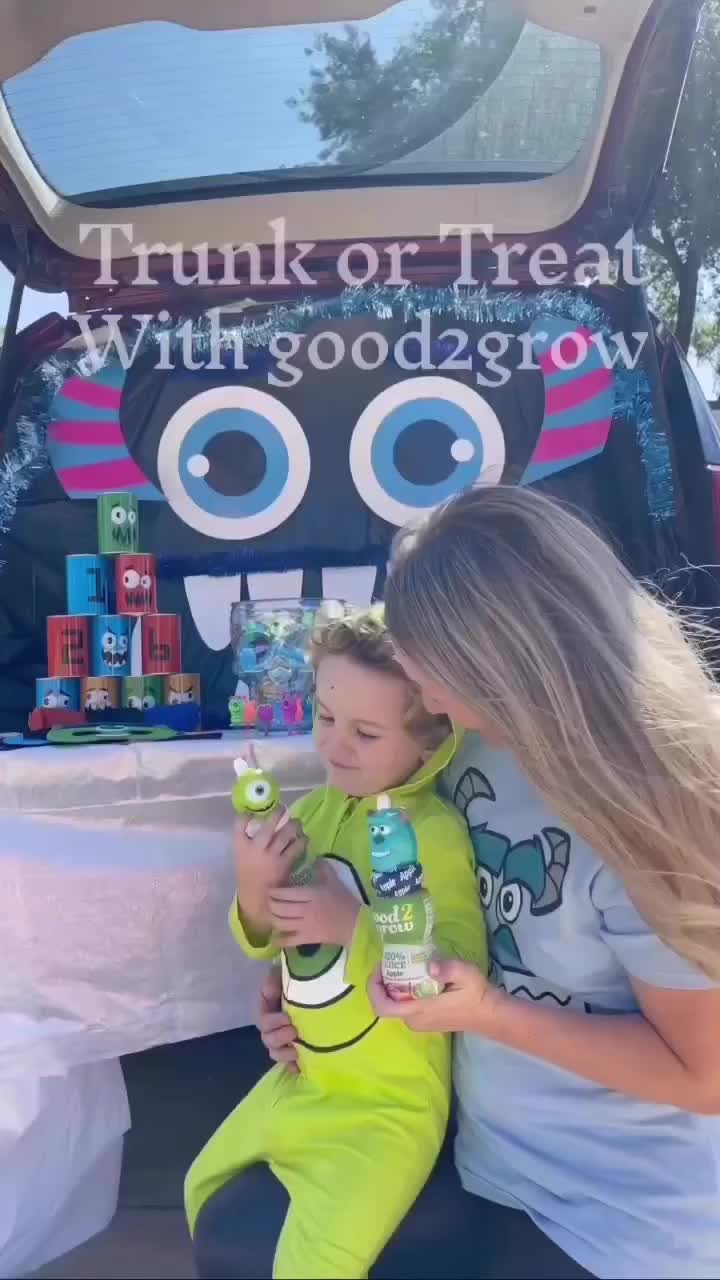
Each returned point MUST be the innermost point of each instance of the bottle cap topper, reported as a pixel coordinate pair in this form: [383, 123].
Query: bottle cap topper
[383, 803]
[256, 793]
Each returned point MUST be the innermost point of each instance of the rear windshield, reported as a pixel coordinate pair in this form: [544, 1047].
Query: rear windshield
[462, 89]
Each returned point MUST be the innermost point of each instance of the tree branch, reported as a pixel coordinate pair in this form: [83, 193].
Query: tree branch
[672, 253]
[649, 241]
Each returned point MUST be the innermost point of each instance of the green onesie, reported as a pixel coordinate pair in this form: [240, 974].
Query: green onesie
[353, 1136]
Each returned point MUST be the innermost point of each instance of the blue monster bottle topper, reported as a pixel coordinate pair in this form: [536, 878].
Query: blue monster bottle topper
[403, 909]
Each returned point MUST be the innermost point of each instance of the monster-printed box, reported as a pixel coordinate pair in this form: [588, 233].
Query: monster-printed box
[89, 584]
[57, 695]
[99, 693]
[143, 693]
[161, 654]
[136, 584]
[68, 646]
[118, 524]
[180, 689]
[111, 645]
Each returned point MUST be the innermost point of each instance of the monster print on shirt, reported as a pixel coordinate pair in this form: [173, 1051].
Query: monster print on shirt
[516, 880]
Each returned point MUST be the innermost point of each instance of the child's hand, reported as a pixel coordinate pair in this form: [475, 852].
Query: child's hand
[276, 1030]
[263, 862]
[322, 911]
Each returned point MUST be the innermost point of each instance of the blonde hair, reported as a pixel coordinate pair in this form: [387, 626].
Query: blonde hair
[511, 601]
[364, 637]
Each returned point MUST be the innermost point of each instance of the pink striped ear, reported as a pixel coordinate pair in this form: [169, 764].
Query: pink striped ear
[86, 444]
[579, 402]
[102, 477]
[105, 433]
[89, 391]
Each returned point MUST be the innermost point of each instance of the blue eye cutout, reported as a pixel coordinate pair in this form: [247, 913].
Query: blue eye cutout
[184, 462]
[400, 429]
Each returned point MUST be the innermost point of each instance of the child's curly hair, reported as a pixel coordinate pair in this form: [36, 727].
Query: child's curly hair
[364, 637]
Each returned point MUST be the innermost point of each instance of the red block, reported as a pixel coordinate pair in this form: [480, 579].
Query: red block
[68, 646]
[161, 652]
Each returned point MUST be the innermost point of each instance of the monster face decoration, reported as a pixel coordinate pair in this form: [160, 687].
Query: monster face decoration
[118, 523]
[288, 479]
[57, 695]
[180, 689]
[136, 584]
[143, 693]
[100, 693]
[111, 645]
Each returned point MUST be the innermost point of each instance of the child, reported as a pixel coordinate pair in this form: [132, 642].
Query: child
[355, 1133]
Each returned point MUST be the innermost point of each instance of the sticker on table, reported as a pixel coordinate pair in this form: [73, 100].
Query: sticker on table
[89, 580]
[68, 646]
[111, 645]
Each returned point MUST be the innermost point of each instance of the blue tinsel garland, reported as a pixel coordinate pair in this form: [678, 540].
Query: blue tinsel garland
[21, 464]
[633, 398]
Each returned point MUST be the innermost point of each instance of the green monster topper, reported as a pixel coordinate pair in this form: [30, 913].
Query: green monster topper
[403, 909]
[118, 524]
[255, 794]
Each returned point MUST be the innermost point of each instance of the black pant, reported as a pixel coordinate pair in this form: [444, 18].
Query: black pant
[448, 1233]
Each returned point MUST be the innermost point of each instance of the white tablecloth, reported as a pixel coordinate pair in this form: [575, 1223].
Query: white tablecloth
[115, 882]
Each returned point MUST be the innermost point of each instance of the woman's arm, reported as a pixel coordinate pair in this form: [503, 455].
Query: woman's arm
[669, 1054]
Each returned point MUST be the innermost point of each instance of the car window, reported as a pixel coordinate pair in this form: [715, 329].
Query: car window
[426, 87]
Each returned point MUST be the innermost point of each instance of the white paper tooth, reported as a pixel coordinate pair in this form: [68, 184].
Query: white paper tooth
[275, 586]
[354, 584]
[210, 600]
[136, 648]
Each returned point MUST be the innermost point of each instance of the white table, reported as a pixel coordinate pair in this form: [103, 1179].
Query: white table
[115, 883]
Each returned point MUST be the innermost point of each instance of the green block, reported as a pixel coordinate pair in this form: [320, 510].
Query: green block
[142, 693]
[118, 524]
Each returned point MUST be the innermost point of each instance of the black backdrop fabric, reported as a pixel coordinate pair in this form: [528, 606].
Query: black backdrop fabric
[339, 457]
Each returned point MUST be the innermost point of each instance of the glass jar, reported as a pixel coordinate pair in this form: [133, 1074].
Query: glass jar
[271, 642]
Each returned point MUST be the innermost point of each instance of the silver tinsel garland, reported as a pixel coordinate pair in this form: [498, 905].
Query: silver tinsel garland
[482, 306]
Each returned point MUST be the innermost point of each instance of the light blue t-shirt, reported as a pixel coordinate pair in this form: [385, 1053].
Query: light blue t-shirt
[627, 1188]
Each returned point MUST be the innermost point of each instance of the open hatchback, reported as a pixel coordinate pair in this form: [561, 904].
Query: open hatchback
[356, 256]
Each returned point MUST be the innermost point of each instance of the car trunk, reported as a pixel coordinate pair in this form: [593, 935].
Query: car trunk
[185, 164]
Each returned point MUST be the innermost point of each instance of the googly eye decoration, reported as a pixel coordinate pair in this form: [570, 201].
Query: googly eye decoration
[185, 472]
[475, 446]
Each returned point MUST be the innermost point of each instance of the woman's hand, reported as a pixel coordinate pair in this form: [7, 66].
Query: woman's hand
[276, 1030]
[321, 911]
[467, 1003]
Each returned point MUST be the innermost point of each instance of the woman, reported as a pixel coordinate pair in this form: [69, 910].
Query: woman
[588, 1069]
